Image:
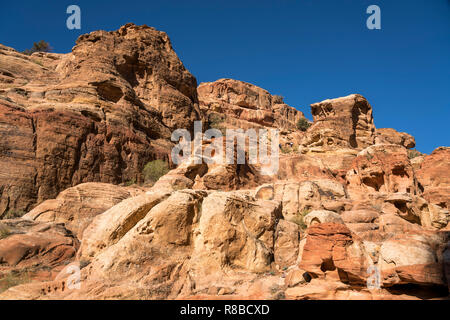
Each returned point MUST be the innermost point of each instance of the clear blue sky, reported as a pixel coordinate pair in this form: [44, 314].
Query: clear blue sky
[304, 50]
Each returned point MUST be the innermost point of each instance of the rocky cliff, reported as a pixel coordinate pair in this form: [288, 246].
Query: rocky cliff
[352, 212]
[98, 113]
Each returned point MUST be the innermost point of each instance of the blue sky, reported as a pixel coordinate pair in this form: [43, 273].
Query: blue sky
[304, 50]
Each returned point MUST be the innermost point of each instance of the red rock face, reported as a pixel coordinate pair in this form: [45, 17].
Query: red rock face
[98, 114]
[33, 243]
[245, 105]
[328, 253]
[391, 136]
[346, 196]
[342, 122]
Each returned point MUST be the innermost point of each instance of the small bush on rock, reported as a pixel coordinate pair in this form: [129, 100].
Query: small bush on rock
[154, 170]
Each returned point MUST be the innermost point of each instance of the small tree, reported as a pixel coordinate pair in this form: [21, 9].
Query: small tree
[413, 153]
[299, 218]
[154, 170]
[303, 124]
[40, 46]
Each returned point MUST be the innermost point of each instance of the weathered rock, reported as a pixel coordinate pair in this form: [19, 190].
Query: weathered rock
[301, 197]
[77, 206]
[322, 216]
[109, 227]
[381, 168]
[196, 173]
[416, 210]
[446, 263]
[392, 136]
[360, 216]
[296, 277]
[408, 259]
[28, 243]
[97, 114]
[236, 232]
[265, 192]
[356, 196]
[287, 237]
[302, 167]
[331, 252]
[342, 122]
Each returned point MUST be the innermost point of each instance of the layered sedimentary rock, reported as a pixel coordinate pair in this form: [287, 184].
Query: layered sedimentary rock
[77, 206]
[391, 136]
[381, 168]
[98, 113]
[233, 104]
[340, 123]
[349, 214]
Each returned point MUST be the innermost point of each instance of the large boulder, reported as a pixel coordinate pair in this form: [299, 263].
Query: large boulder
[236, 232]
[77, 206]
[25, 244]
[301, 197]
[410, 258]
[332, 252]
[381, 169]
[287, 238]
[108, 228]
[228, 103]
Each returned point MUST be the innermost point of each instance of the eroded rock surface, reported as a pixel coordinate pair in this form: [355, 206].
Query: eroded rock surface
[97, 114]
[350, 213]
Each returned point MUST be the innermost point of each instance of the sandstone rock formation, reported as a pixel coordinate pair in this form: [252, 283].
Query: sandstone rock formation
[97, 114]
[342, 122]
[348, 215]
[237, 104]
[434, 177]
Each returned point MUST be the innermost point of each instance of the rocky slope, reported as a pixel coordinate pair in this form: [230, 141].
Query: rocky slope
[98, 113]
[349, 214]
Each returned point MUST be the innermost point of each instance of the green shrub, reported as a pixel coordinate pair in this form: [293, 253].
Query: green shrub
[40, 46]
[288, 149]
[303, 124]
[154, 170]
[369, 156]
[130, 182]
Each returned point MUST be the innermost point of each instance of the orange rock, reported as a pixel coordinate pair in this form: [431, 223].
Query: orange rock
[345, 122]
